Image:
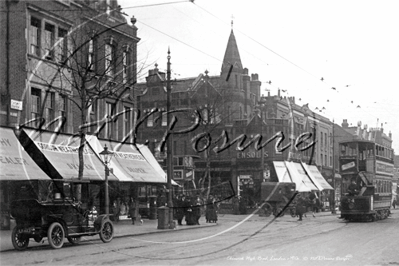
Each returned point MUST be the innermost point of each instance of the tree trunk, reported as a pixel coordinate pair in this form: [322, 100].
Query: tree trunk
[82, 135]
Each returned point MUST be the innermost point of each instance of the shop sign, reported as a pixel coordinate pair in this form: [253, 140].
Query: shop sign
[251, 154]
[177, 174]
[17, 105]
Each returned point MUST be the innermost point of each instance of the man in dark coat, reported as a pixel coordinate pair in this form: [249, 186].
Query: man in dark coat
[300, 206]
[180, 209]
[353, 188]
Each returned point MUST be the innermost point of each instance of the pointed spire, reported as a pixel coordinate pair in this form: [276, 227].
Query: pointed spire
[232, 55]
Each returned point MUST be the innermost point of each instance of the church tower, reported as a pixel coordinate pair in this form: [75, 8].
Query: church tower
[232, 82]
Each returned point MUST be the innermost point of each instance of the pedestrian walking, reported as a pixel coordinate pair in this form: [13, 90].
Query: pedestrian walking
[134, 210]
[180, 209]
[211, 210]
[312, 202]
[300, 206]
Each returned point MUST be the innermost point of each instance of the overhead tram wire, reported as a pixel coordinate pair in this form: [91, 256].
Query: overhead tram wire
[264, 46]
[179, 41]
[67, 9]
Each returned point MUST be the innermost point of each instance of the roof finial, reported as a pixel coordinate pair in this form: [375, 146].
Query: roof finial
[232, 21]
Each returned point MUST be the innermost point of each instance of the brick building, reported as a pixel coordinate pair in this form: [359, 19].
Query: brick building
[229, 108]
[55, 48]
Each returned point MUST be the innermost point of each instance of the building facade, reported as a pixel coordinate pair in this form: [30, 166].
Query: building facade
[67, 63]
[219, 122]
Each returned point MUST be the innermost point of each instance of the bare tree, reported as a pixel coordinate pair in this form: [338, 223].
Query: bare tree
[86, 67]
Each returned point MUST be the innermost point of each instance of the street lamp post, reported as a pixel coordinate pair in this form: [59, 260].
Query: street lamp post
[262, 158]
[107, 156]
[169, 147]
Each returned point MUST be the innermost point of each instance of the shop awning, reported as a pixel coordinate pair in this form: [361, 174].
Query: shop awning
[61, 151]
[15, 162]
[316, 177]
[282, 172]
[299, 177]
[128, 163]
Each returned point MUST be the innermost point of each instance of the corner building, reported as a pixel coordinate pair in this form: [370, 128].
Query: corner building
[227, 107]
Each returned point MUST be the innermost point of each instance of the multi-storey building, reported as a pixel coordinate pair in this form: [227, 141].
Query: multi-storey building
[67, 60]
[229, 108]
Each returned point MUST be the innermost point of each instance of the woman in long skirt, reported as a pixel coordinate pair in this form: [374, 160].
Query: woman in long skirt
[211, 208]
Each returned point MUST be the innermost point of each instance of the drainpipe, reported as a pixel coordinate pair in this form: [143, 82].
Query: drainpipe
[7, 97]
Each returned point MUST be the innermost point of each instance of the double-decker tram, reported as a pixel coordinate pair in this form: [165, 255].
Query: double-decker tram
[367, 171]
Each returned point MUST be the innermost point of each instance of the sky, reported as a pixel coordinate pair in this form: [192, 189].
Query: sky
[340, 55]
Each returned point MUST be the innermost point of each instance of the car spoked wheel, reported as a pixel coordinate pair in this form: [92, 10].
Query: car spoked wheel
[74, 240]
[19, 240]
[268, 209]
[107, 231]
[56, 235]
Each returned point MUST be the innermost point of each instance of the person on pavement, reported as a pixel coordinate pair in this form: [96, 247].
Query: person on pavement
[300, 206]
[180, 209]
[312, 202]
[133, 210]
[211, 214]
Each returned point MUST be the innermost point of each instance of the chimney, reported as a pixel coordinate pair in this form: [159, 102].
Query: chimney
[390, 135]
[278, 93]
[345, 123]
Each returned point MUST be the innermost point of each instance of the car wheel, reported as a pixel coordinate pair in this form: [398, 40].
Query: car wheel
[74, 240]
[56, 235]
[19, 240]
[107, 231]
[268, 209]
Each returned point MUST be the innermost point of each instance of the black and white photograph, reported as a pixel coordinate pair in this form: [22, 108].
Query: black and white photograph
[199, 132]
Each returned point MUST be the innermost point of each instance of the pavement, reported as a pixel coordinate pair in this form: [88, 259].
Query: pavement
[126, 228]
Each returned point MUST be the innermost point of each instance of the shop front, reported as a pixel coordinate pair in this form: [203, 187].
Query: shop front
[20, 177]
[140, 176]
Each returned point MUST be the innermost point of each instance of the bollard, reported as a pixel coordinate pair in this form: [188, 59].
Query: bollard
[163, 217]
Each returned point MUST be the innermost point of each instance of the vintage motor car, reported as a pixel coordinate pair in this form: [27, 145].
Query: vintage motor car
[57, 218]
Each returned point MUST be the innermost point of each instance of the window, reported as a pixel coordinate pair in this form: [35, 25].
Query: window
[109, 60]
[48, 41]
[90, 56]
[35, 103]
[109, 111]
[164, 121]
[34, 36]
[62, 45]
[150, 121]
[127, 120]
[62, 109]
[49, 105]
[125, 66]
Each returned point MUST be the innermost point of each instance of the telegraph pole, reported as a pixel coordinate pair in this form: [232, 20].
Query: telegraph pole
[333, 171]
[169, 146]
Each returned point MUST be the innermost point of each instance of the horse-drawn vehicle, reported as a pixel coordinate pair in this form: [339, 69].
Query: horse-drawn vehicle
[277, 198]
[57, 218]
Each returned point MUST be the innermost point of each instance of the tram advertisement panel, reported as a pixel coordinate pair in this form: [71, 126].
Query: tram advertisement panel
[348, 164]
